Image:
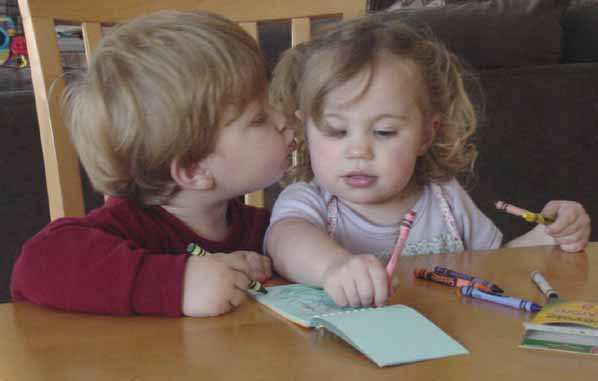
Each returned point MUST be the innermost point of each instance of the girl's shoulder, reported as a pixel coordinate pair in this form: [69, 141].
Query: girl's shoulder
[453, 192]
[305, 191]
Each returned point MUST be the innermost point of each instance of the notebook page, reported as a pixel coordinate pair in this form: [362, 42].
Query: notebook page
[299, 303]
[391, 335]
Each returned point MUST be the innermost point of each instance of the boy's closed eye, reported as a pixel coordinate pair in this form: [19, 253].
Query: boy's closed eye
[259, 119]
[335, 133]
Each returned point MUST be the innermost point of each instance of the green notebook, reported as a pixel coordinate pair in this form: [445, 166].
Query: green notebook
[388, 335]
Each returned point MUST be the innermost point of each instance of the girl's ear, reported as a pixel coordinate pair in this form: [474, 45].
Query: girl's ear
[194, 176]
[429, 134]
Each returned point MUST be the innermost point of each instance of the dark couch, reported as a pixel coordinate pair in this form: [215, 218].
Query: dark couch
[537, 63]
[24, 203]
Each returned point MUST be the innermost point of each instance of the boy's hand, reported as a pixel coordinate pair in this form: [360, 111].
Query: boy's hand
[214, 284]
[260, 266]
[572, 226]
[359, 280]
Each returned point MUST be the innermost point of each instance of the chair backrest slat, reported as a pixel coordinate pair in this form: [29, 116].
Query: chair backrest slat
[92, 34]
[300, 30]
[238, 10]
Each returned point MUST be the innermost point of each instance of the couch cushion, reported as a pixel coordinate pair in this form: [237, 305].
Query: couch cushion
[537, 141]
[497, 33]
[580, 25]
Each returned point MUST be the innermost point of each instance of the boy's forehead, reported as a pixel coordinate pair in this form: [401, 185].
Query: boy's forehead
[234, 110]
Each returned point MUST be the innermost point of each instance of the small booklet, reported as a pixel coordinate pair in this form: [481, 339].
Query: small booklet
[388, 335]
[562, 325]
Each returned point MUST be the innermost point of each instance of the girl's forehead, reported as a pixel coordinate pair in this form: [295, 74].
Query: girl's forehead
[390, 78]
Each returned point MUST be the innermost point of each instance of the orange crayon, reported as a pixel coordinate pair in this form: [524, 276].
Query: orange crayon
[450, 281]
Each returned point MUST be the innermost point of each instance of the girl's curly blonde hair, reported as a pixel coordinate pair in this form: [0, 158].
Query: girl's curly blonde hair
[307, 73]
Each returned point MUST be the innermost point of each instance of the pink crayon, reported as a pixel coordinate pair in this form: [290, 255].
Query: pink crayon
[405, 227]
[511, 209]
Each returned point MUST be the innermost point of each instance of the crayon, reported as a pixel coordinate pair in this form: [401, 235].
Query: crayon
[449, 272]
[196, 250]
[504, 300]
[525, 214]
[544, 286]
[447, 280]
[405, 227]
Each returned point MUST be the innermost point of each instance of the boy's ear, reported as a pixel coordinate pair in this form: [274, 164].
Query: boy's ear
[429, 133]
[191, 175]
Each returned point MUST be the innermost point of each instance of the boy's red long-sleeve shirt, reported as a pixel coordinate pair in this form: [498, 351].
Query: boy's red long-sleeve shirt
[121, 258]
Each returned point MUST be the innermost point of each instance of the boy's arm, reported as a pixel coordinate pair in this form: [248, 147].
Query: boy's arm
[76, 267]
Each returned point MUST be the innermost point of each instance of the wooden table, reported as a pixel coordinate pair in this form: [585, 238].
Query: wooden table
[252, 343]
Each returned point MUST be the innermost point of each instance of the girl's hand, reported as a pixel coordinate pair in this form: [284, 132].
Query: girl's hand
[572, 226]
[358, 280]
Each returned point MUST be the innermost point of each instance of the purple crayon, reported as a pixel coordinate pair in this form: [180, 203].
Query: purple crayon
[509, 301]
[455, 274]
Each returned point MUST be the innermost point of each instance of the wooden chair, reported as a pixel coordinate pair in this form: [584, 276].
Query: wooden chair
[62, 172]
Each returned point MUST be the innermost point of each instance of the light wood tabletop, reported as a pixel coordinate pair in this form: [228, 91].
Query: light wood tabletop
[253, 343]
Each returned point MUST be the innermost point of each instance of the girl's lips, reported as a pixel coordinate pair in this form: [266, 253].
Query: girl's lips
[359, 180]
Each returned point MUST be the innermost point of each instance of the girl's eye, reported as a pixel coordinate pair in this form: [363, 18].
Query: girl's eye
[385, 133]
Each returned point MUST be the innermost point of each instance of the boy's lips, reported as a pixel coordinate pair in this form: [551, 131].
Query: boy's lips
[292, 145]
[359, 180]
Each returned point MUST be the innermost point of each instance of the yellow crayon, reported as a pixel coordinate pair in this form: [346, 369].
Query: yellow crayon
[537, 218]
[196, 250]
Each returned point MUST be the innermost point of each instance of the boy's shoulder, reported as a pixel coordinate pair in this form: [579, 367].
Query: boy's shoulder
[120, 210]
[116, 214]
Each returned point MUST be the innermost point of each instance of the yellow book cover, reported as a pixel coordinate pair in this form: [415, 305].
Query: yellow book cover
[564, 325]
[568, 313]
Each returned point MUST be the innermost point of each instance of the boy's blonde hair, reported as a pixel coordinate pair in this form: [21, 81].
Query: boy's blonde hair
[307, 74]
[155, 90]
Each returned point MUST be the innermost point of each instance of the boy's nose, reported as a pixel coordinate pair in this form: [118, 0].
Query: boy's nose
[282, 125]
[280, 121]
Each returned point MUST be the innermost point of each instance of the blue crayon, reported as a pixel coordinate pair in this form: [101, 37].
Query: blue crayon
[455, 274]
[509, 301]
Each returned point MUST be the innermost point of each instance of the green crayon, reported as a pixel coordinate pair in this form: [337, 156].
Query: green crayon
[196, 250]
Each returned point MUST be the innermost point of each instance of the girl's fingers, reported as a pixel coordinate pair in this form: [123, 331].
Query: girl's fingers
[365, 288]
[352, 293]
[380, 284]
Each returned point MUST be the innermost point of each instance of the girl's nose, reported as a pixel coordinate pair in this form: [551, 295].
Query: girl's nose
[360, 150]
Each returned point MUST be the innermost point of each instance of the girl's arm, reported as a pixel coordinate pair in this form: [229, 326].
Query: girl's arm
[302, 252]
[570, 230]
[534, 237]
